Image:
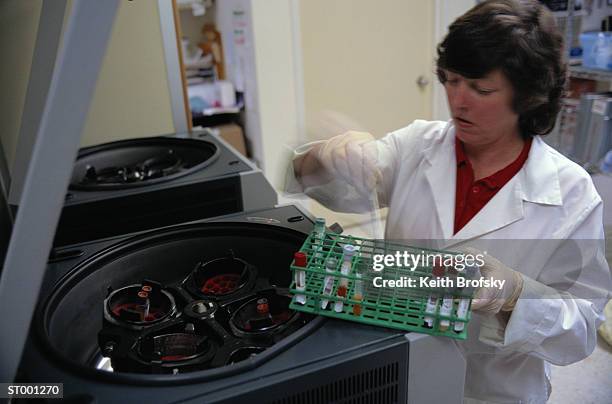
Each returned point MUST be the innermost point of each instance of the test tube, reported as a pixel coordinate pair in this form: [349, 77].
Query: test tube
[432, 300]
[319, 231]
[464, 303]
[146, 306]
[358, 295]
[328, 282]
[300, 260]
[431, 308]
[345, 269]
[462, 309]
[445, 310]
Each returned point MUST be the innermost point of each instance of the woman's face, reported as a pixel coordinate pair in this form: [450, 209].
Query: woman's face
[482, 108]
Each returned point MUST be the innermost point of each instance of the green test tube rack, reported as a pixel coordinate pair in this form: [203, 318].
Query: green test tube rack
[402, 308]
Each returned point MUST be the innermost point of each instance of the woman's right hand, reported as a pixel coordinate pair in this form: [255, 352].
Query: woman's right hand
[352, 157]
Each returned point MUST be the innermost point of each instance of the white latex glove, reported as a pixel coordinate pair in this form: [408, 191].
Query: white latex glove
[493, 299]
[352, 157]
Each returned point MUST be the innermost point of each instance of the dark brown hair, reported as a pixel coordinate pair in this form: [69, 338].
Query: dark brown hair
[520, 38]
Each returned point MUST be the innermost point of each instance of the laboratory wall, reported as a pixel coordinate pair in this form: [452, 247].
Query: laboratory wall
[132, 95]
[132, 98]
[18, 27]
[275, 77]
[363, 59]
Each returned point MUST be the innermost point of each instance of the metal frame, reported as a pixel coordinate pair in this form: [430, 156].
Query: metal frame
[173, 66]
[582, 72]
[46, 180]
[43, 60]
[5, 175]
[6, 214]
[298, 71]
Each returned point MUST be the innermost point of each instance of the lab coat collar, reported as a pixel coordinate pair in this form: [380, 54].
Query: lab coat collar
[539, 176]
[536, 182]
[441, 174]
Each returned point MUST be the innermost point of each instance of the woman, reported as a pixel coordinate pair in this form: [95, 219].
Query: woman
[486, 178]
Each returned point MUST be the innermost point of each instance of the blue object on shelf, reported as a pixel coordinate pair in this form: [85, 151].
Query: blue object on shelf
[198, 104]
[597, 50]
[606, 164]
[575, 52]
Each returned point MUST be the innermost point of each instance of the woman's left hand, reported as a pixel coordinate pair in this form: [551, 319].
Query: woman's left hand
[502, 297]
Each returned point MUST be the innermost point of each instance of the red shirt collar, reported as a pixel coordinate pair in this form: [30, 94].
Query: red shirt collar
[501, 177]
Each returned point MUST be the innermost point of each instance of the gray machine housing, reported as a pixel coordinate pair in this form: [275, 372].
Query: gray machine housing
[327, 361]
[229, 183]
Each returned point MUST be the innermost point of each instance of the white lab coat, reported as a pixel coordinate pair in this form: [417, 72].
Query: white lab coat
[550, 218]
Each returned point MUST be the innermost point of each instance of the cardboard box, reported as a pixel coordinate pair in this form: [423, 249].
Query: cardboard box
[233, 135]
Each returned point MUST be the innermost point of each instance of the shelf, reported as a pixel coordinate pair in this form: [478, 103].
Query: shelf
[561, 14]
[198, 8]
[183, 4]
[581, 72]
